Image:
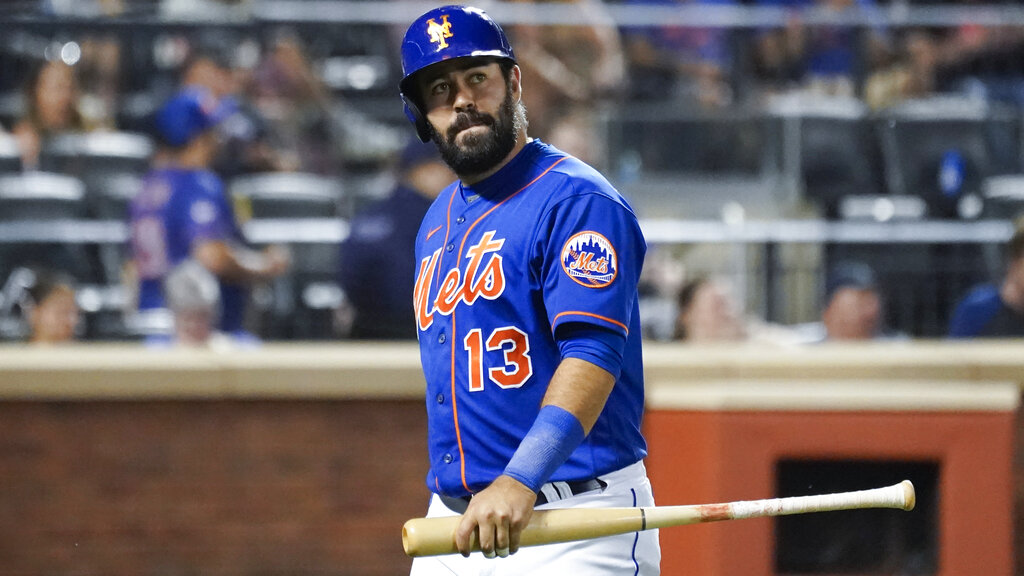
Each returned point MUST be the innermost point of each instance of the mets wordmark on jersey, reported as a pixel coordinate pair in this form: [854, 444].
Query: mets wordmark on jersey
[544, 242]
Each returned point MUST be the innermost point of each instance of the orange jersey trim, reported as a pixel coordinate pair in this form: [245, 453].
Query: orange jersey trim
[447, 230]
[598, 316]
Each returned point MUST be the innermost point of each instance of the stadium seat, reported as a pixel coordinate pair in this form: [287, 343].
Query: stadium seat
[1004, 196]
[667, 140]
[10, 154]
[112, 195]
[683, 163]
[96, 153]
[49, 204]
[11, 107]
[941, 150]
[106, 162]
[41, 196]
[829, 145]
[290, 195]
[300, 304]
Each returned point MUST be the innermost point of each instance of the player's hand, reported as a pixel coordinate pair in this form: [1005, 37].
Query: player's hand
[279, 260]
[498, 514]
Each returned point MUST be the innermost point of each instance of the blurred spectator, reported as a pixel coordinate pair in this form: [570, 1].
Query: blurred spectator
[99, 73]
[50, 308]
[95, 53]
[193, 297]
[826, 59]
[983, 61]
[566, 67]
[662, 276]
[288, 94]
[852, 308]
[707, 312]
[51, 97]
[680, 63]
[210, 68]
[911, 75]
[245, 146]
[377, 259]
[991, 311]
[853, 305]
[183, 211]
[576, 132]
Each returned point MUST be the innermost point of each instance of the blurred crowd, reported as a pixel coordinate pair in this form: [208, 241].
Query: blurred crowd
[321, 100]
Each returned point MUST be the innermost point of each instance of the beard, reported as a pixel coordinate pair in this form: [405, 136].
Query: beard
[479, 153]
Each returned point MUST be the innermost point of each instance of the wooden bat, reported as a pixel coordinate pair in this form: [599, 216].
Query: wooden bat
[434, 536]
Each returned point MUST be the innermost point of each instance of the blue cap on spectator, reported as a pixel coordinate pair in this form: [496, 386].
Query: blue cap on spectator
[189, 113]
[849, 274]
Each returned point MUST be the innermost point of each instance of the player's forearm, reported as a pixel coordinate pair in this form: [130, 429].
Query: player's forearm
[234, 264]
[575, 397]
[581, 388]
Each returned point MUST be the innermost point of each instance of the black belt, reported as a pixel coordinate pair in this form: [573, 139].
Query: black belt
[459, 504]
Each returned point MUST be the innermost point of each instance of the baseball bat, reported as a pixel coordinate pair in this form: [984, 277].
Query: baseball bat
[435, 536]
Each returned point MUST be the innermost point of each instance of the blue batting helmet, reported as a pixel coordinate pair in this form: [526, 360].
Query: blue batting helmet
[442, 34]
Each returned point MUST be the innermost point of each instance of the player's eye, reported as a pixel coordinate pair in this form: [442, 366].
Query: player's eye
[437, 87]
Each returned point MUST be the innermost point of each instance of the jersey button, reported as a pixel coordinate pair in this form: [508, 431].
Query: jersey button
[448, 458]
[450, 247]
[440, 398]
[441, 338]
[460, 219]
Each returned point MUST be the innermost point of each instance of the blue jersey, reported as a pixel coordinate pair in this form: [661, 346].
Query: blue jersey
[984, 314]
[175, 210]
[502, 264]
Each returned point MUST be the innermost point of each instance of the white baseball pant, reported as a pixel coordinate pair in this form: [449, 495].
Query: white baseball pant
[635, 553]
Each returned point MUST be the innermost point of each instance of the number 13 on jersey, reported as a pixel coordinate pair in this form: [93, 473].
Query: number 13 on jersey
[514, 345]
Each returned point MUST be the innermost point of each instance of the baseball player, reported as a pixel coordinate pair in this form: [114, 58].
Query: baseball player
[527, 317]
[183, 211]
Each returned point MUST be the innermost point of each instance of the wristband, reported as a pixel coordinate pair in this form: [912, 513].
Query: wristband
[548, 444]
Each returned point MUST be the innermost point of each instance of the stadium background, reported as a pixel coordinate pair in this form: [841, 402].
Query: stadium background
[767, 187]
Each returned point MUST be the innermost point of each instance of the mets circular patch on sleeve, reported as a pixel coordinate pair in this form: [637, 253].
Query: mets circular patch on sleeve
[589, 259]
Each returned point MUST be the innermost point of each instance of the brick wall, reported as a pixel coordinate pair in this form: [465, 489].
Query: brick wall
[211, 488]
[218, 488]
[1018, 492]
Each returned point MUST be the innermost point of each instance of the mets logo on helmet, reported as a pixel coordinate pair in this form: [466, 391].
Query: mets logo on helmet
[589, 259]
[438, 32]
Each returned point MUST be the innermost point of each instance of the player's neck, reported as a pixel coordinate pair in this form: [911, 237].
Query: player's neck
[193, 157]
[521, 142]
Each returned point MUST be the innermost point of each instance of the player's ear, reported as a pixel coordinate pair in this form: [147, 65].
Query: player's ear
[515, 79]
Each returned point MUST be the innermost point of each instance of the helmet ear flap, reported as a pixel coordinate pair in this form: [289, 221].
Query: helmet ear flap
[415, 115]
